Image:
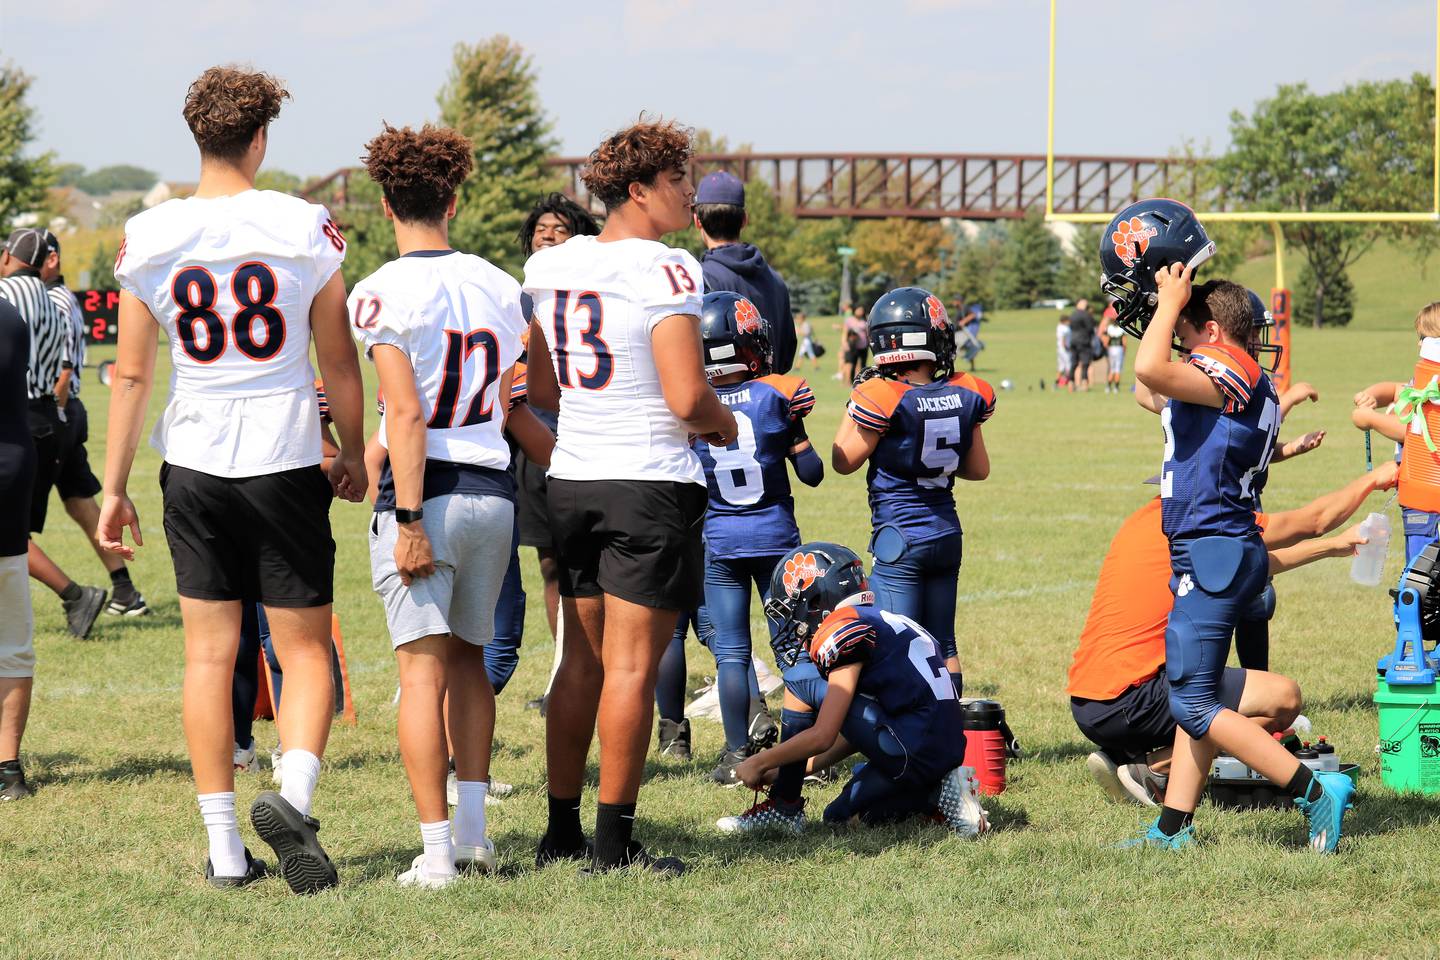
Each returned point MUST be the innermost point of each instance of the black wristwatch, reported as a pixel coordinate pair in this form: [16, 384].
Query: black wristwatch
[409, 516]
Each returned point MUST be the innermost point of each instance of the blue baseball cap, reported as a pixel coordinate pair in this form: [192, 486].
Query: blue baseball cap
[722, 186]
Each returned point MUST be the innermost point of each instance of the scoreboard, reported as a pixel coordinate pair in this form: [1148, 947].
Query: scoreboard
[101, 309]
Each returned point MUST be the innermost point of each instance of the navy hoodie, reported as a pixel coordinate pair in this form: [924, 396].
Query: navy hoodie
[740, 268]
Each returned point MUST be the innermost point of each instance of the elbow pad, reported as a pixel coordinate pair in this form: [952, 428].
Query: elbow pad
[809, 469]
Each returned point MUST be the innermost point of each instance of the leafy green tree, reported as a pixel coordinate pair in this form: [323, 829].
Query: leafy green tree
[1339, 299]
[281, 181]
[118, 177]
[899, 249]
[68, 174]
[490, 96]
[23, 180]
[1029, 267]
[1367, 146]
[1080, 270]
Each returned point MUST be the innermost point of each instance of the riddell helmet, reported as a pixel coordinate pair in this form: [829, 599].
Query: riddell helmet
[1144, 238]
[737, 338]
[813, 581]
[910, 323]
[1267, 354]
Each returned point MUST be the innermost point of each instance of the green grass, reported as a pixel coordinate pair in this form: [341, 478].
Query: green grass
[105, 860]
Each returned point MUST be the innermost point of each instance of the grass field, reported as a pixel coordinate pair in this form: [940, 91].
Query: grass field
[105, 860]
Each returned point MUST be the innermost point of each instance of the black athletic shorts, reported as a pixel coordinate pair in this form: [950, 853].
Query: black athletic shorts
[1139, 720]
[264, 538]
[73, 476]
[639, 540]
[46, 432]
[532, 504]
[17, 480]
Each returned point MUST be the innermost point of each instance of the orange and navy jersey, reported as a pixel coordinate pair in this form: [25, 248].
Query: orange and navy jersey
[1217, 458]
[1123, 642]
[901, 666]
[751, 512]
[322, 401]
[925, 433]
[518, 384]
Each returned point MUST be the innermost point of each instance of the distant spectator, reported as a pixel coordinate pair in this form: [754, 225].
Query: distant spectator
[1082, 349]
[967, 333]
[729, 264]
[805, 334]
[1114, 349]
[1063, 363]
[855, 346]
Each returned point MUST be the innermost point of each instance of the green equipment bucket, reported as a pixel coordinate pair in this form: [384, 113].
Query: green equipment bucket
[1409, 718]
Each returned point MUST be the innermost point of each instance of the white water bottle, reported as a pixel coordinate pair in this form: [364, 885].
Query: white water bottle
[1369, 564]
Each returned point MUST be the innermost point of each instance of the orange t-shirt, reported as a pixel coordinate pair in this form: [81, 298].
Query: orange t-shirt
[1123, 643]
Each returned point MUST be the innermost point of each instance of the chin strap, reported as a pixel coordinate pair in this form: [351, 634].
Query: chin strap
[1408, 406]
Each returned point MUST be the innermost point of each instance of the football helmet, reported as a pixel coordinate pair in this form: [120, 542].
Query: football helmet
[736, 337]
[1145, 237]
[910, 323]
[1267, 354]
[813, 581]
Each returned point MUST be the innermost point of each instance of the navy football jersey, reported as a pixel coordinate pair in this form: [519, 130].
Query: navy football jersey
[1217, 458]
[925, 432]
[751, 512]
[901, 668]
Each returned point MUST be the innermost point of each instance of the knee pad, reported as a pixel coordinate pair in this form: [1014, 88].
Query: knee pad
[1194, 698]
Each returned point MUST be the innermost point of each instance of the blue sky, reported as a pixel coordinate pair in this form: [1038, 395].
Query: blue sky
[917, 75]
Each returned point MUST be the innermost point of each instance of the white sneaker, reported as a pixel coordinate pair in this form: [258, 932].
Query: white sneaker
[417, 876]
[498, 791]
[245, 759]
[276, 777]
[1142, 785]
[959, 804]
[769, 683]
[477, 859]
[452, 789]
[706, 704]
[1106, 773]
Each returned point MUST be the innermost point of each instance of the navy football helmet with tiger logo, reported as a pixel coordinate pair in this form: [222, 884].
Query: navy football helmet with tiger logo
[1267, 354]
[1144, 238]
[736, 337]
[908, 324]
[812, 582]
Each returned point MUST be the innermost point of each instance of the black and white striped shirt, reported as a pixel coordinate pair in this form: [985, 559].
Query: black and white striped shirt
[65, 301]
[50, 332]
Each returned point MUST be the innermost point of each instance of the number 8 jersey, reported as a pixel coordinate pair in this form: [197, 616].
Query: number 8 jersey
[925, 432]
[1217, 458]
[598, 303]
[231, 280]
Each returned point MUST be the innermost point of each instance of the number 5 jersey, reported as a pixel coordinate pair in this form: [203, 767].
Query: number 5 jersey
[231, 280]
[752, 513]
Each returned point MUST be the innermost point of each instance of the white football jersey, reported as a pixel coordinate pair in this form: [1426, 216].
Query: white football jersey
[598, 304]
[231, 279]
[457, 317]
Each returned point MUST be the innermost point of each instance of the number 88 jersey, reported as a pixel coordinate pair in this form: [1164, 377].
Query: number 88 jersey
[751, 512]
[925, 432]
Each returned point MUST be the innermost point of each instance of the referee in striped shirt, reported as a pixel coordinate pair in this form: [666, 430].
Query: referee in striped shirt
[75, 482]
[48, 389]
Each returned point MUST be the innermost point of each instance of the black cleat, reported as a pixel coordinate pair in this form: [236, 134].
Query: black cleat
[547, 853]
[675, 739]
[81, 613]
[254, 870]
[763, 731]
[724, 772]
[636, 858]
[135, 606]
[303, 862]
[13, 785]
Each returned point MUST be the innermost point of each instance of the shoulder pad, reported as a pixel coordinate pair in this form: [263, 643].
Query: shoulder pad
[873, 402]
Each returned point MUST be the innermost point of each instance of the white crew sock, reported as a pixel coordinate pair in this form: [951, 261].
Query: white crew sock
[439, 850]
[470, 812]
[300, 769]
[227, 853]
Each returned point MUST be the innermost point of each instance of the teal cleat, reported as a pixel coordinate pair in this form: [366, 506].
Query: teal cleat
[1154, 839]
[1327, 811]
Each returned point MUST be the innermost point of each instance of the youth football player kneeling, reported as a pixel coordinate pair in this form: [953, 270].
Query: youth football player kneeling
[858, 677]
[443, 329]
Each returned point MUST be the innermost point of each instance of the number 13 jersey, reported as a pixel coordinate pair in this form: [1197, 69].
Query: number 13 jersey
[231, 280]
[598, 304]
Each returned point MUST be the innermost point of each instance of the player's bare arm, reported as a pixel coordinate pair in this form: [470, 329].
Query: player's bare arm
[1149, 399]
[839, 693]
[977, 460]
[540, 385]
[852, 447]
[1285, 449]
[134, 377]
[1308, 551]
[1153, 365]
[1298, 393]
[535, 439]
[1380, 394]
[405, 434]
[340, 369]
[1325, 513]
[680, 362]
[1388, 425]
